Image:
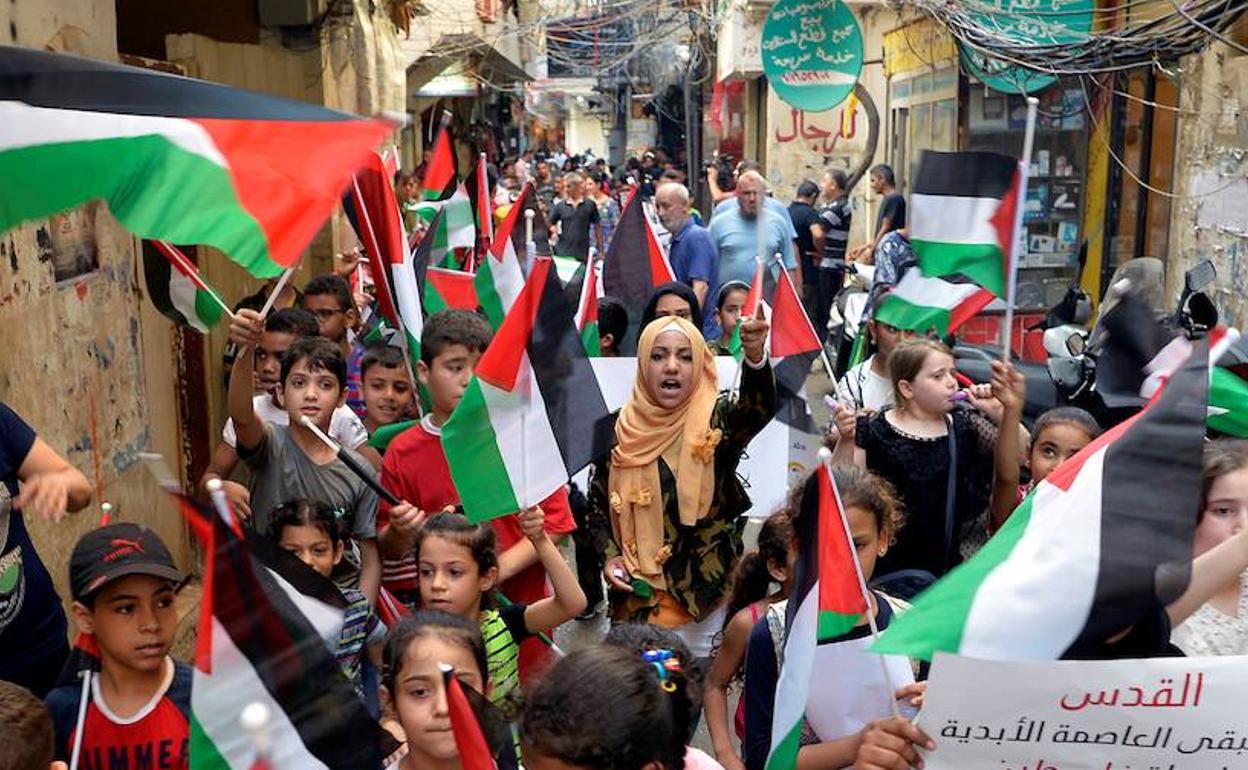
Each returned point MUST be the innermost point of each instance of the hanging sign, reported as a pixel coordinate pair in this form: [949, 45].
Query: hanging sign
[812, 52]
[1025, 23]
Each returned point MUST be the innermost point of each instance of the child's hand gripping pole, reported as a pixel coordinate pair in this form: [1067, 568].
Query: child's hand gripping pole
[356, 467]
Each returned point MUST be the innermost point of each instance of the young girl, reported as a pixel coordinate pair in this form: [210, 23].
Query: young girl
[1059, 435]
[310, 530]
[414, 688]
[458, 567]
[750, 599]
[1220, 626]
[937, 454]
[604, 708]
[728, 304]
[840, 711]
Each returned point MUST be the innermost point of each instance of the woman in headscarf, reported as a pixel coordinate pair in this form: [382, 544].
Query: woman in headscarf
[666, 505]
[671, 298]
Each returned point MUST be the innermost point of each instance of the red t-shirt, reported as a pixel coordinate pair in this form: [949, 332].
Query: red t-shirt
[155, 737]
[415, 470]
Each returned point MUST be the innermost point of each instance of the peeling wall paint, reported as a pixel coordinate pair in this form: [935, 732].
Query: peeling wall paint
[1210, 218]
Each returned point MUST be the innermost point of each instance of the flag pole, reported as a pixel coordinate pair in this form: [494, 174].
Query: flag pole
[82, 719]
[825, 458]
[277, 289]
[1012, 255]
[352, 464]
[530, 245]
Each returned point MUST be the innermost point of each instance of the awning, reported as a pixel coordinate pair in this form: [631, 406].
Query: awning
[468, 48]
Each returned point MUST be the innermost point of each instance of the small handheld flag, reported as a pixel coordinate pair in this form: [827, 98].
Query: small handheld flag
[351, 463]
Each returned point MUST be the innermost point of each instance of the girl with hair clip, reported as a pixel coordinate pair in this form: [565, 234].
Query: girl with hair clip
[667, 502]
[612, 708]
[751, 598]
[729, 302]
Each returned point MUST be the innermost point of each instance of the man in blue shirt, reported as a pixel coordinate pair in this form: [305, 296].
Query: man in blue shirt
[692, 253]
[735, 233]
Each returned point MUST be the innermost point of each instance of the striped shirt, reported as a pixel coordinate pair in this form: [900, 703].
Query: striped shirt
[836, 218]
[503, 630]
[360, 628]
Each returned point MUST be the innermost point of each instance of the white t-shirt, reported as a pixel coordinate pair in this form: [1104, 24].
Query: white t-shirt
[344, 427]
[865, 389]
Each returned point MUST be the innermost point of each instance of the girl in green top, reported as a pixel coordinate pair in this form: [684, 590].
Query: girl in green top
[458, 567]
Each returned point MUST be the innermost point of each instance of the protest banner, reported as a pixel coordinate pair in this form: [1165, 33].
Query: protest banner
[1154, 714]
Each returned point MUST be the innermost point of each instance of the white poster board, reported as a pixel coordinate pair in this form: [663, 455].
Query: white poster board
[777, 457]
[1157, 714]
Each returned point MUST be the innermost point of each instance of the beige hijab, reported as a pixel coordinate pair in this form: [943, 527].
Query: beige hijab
[682, 436]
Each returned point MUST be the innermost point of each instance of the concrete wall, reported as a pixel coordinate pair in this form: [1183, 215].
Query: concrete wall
[1210, 218]
[87, 361]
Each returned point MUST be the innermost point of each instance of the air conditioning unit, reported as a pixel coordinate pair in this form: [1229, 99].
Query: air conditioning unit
[291, 13]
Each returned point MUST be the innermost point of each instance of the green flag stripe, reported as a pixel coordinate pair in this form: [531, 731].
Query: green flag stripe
[938, 622]
[897, 312]
[207, 308]
[476, 464]
[784, 755]
[487, 293]
[834, 624]
[983, 263]
[1230, 392]
[591, 340]
[203, 752]
[165, 207]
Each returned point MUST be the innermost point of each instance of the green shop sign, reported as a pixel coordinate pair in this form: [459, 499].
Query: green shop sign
[812, 52]
[1025, 23]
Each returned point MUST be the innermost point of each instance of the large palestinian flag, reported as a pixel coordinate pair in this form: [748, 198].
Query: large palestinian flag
[1103, 541]
[262, 639]
[533, 414]
[175, 159]
[920, 303]
[177, 289]
[635, 263]
[962, 215]
[827, 602]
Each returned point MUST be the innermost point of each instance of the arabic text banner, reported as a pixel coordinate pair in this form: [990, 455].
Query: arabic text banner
[1164, 714]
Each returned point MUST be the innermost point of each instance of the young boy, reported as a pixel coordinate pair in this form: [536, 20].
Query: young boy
[330, 300]
[26, 737]
[386, 386]
[289, 462]
[282, 328]
[415, 469]
[612, 325]
[122, 579]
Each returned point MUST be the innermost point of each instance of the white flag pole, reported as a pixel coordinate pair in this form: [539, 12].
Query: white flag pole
[825, 458]
[277, 289]
[1012, 250]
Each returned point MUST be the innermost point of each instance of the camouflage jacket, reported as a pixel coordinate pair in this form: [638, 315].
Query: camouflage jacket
[704, 554]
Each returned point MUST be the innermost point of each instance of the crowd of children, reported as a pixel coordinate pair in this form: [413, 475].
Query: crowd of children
[928, 470]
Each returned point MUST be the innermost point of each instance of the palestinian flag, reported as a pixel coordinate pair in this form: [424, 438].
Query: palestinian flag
[1102, 542]
[474, 752]
[920, 303]
[373, 210]
[962, 215]
[455, 230]
[499, 277]
[441, 174]
[262, 639]
[482, 203]
[533, 414]
[1228, 390]
[827, 602]
[586, 318]
[792, 333]
[449, 288]
[174, 158]
[748, 310]
[177, 289]
[635, 263]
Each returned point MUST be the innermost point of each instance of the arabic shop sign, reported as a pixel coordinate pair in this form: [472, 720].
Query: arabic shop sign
[1025, 23]
[1159, 714]
[812, 52]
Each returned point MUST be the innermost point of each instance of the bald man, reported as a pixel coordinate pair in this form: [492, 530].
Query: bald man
[735, 234]
[692, 253]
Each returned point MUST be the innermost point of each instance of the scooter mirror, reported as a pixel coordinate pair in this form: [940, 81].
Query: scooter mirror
[1200, 276]
[1202, 311]
[1076, 344]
